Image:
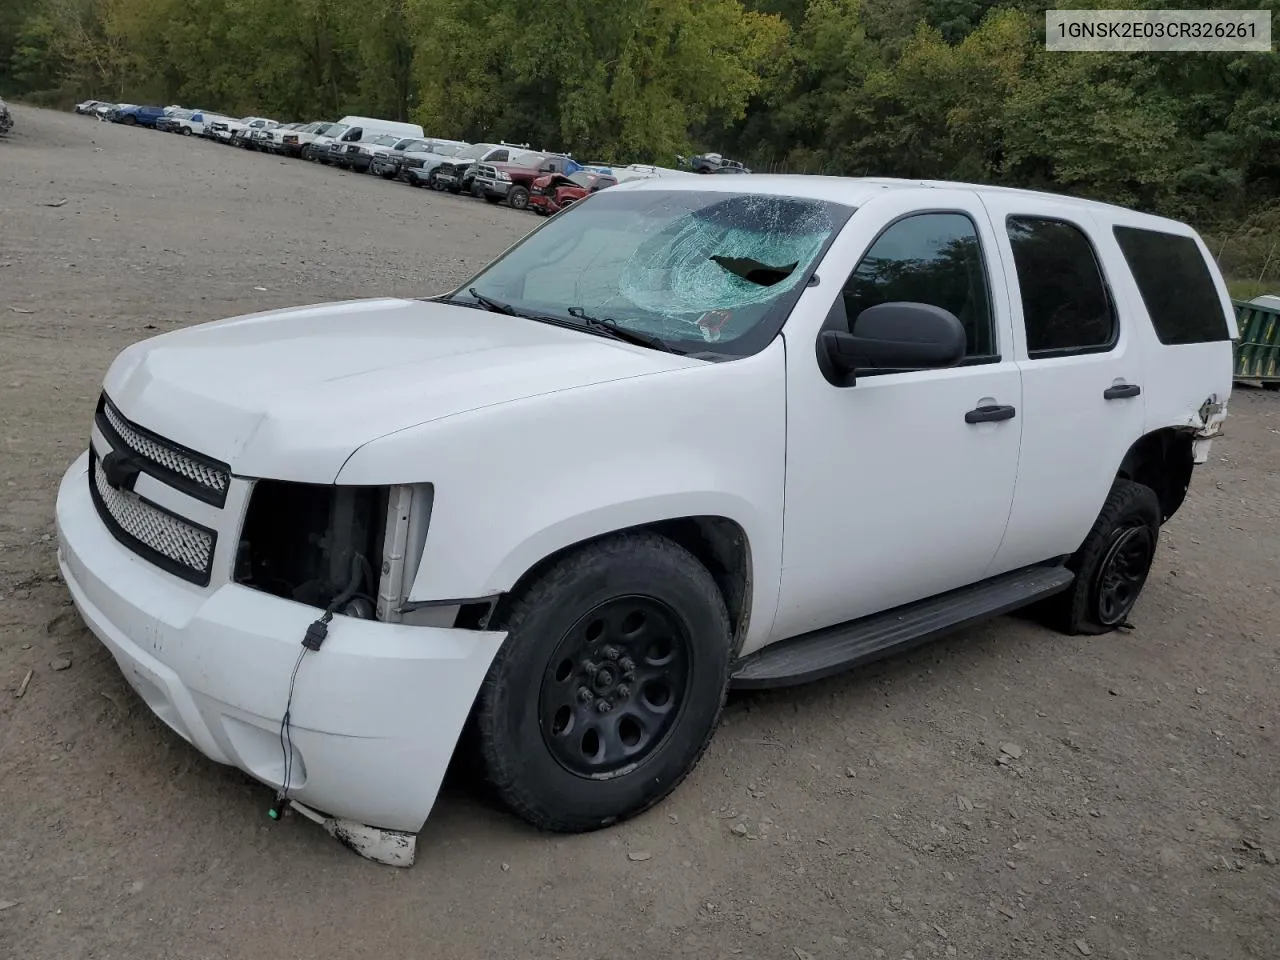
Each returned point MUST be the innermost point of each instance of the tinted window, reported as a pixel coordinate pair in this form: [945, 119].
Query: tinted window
[1175, 284]
[1065, 304]
[932, 258]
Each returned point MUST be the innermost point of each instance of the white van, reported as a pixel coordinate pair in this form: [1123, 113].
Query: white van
[360, 130]
[373, 127]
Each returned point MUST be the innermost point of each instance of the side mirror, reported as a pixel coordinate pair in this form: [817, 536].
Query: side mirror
[893, 336]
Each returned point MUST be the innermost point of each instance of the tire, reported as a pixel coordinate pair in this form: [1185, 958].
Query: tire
[518, 198]
[529, 713]
[1112, 564]
[1271, 385]
[186, 131]
[488, 197]
[130, 121]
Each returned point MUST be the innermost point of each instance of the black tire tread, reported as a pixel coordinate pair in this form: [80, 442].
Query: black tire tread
[543, 591]
[1071, 615]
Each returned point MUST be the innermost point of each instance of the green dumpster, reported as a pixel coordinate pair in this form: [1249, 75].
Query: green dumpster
[1257, 351]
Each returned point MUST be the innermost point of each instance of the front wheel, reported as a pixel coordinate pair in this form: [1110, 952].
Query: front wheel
[609, 685]
[1112, 564]
[518, 198]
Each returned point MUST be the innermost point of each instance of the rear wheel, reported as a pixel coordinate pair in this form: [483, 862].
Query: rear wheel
[1112, 564]
[609, 684]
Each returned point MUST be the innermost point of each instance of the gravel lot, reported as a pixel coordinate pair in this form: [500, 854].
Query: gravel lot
[1137, 816]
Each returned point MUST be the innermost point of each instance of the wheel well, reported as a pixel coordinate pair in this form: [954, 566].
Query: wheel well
[718, 543]
[1162, 460]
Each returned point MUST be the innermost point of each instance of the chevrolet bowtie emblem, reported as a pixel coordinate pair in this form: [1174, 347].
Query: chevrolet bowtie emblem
[121, 469]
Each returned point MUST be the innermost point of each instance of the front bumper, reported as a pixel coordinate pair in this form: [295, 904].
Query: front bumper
[494, 188]
[376, 711]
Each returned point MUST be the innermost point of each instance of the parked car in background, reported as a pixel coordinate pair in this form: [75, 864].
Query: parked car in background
[234, 131]
[104, 110]
[243, 132]
[292, 142]
[457, 173]
[418, 168]
[358, 155]
[713, 163]
[86, 106]
[512, 181]
[322, 141]
[178, 120]
[6, 118]
[138, 116]
[271, 139]
[646, 171]
[553, 192]
[365, 129]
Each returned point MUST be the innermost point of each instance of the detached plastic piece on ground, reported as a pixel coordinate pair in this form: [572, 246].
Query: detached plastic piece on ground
[390, 847]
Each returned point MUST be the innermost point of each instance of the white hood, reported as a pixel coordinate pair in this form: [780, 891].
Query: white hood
[291, 394]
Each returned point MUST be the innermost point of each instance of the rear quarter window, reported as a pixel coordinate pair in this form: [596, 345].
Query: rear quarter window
[1176, 286]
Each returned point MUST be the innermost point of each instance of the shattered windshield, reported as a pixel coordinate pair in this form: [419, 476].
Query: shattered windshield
[691, 268]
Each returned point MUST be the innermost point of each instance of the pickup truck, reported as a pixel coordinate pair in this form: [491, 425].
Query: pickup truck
[512, 181]
[457, 174]
[690, 434]
[417, 161]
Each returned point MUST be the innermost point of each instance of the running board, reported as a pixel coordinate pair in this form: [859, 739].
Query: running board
[821, 653]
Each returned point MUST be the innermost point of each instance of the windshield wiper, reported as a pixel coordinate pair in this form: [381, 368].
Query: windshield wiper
[610, 328]
[494, 306]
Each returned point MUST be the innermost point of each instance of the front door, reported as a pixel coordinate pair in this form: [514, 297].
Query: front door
[898, 487]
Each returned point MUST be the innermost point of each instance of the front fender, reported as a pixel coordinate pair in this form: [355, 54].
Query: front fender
[519, 481]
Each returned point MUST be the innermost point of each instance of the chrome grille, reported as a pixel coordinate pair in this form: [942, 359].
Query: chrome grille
[159, 534]
[164, 455]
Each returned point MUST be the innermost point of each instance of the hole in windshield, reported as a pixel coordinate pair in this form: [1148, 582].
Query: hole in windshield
[689, 267]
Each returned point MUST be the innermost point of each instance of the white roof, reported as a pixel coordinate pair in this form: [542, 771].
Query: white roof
[856, 191]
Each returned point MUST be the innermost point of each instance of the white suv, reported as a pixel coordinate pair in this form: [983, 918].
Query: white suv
[693, 432]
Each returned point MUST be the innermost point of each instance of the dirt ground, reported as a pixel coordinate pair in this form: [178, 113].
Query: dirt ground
[1140, 818]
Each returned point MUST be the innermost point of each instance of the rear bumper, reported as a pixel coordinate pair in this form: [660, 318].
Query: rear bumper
[376, 711]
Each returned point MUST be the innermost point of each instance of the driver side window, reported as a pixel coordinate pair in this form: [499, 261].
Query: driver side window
[933, 258]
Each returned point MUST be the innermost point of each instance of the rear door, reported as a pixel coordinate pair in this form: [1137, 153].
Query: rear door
[1081, 357]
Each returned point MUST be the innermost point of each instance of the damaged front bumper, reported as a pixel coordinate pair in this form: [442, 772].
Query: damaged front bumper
[375, 715]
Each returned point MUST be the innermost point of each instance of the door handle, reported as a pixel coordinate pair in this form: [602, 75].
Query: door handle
[993, 413]
[1121, 391]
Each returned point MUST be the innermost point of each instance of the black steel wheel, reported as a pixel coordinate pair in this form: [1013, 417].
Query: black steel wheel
[614, 686]
[1122, 572]
[518, 198]
[1112, 564]
[609, 684]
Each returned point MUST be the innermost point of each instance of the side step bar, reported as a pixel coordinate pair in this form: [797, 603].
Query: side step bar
[831, 650]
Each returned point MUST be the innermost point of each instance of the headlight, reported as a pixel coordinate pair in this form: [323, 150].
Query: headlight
[417, 163]
[503, 176]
